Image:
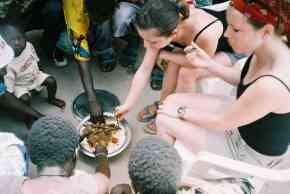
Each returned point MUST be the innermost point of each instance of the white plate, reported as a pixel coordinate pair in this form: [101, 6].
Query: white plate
[124, 137]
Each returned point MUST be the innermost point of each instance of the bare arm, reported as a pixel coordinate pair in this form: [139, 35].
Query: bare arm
[200, 59]
[176, 58]
[257, 101]
[103, 172]
[228, 74]
[88, 84]
[141, 78]
[9, 79]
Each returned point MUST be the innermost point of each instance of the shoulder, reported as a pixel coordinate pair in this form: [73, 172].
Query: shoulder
[270, 87]
[11, 184]
[213, 32]
[93, 184]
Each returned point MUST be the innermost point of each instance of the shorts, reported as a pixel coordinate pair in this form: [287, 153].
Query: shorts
[231, 145]
[2, 89]
[239, 150]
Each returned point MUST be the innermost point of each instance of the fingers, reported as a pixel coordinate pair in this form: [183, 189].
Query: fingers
[190, 49]
[119, 113]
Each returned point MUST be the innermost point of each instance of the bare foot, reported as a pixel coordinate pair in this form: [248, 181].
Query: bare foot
[57, 102]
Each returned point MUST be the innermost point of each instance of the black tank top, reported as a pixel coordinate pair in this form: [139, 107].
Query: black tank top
[269, 135]
[223, 44]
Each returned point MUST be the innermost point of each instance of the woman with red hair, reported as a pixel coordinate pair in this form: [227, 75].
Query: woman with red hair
[259, 118]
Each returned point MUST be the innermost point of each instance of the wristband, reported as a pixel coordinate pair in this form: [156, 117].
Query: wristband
[101, 154]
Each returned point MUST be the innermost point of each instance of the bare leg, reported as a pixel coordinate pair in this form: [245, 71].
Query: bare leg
[170, 81]
[172, 129]
[12, 104]
[26, 99]
[192, 136]
[51, 86]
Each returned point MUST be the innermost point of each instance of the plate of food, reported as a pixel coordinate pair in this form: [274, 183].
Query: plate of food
[115, 135]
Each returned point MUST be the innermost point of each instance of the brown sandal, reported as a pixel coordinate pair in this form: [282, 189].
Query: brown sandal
[148, 113]
[150, 128]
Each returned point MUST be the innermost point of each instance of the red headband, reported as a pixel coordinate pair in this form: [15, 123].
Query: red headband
[266, 11]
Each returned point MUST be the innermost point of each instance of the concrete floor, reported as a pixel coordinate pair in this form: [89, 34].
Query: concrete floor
[69, 86]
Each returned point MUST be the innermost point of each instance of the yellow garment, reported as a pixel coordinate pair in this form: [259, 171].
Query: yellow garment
[77, 22]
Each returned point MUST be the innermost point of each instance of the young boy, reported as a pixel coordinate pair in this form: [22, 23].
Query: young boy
[23, 74]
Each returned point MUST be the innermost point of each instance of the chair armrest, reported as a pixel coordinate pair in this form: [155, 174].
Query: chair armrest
[242, 167]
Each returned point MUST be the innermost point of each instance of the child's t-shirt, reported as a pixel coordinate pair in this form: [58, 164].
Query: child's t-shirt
[23, 71]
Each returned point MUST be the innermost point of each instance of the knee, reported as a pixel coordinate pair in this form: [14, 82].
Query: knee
[50, 81]
[25, 98]
[186, 76]
[172, 99]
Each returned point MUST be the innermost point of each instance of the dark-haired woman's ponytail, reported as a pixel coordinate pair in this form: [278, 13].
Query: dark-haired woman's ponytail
[183, 9]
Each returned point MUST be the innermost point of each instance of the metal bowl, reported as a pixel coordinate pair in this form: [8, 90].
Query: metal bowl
[120, 146]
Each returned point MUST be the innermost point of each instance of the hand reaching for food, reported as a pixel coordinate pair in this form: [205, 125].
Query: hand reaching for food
[97, 114]
[120, 112]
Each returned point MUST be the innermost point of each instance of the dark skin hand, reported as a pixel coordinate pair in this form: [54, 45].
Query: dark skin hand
[121, 189]
[101, 153]
[87, 81]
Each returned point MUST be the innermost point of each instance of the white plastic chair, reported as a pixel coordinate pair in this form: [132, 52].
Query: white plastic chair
[257, 175]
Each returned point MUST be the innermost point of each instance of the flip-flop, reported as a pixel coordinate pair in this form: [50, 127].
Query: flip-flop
[147, 114]
[150, 128]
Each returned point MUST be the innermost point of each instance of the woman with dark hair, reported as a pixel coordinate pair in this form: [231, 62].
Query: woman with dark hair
[163, 23]
[260, 116]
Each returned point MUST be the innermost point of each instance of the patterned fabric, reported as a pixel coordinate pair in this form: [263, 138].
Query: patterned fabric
[5, 4]
[276, 12]
[23, 74]
[77, 22]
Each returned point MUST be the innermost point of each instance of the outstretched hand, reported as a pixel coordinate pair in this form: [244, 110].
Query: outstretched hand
[121, 111]
[97, 114]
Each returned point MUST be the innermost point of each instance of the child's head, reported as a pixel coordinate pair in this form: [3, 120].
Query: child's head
[100, 11]
[154, 167]
[14, 38]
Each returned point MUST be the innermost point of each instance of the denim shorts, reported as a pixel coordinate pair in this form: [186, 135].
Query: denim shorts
[2, 88]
